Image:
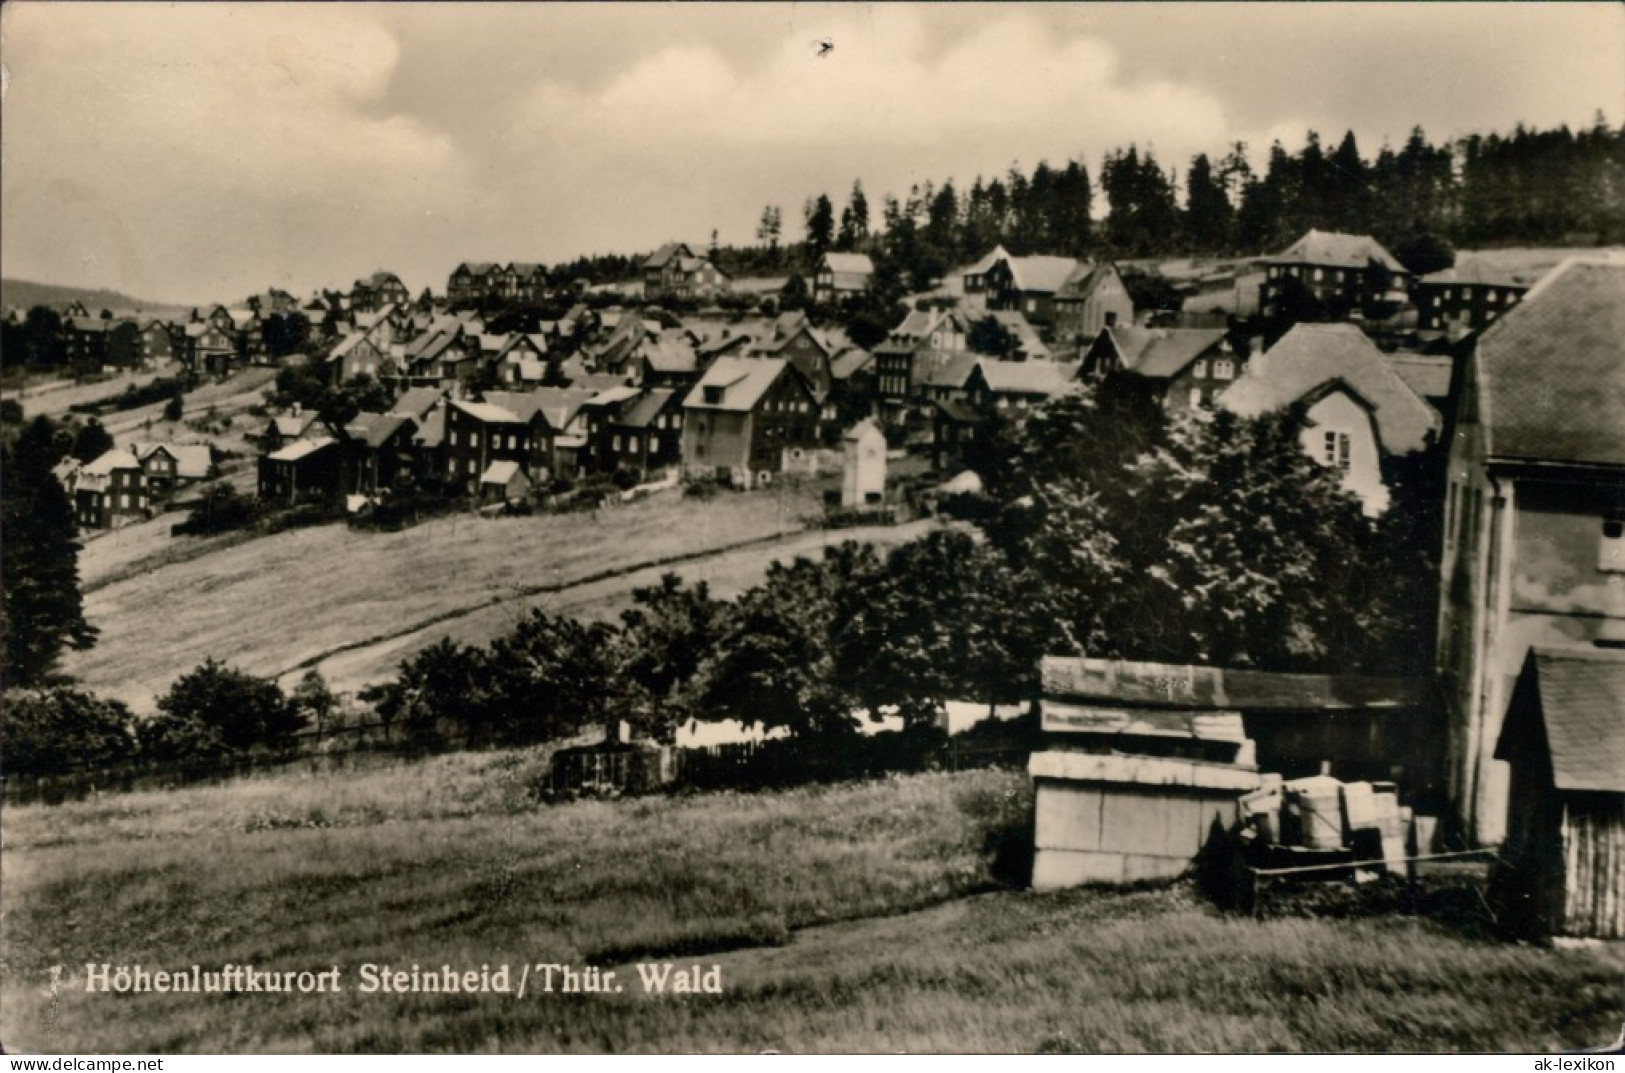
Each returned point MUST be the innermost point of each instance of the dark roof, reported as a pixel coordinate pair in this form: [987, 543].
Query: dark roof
[1186, 686]
[1578, 694]
[645, 408]
[375, 430]
[1551, 371]
[1163, 353]
[665, 253]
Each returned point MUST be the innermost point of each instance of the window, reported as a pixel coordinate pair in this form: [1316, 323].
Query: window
[1224, 369]
[1320, 274]
[1335, 450]
[1196, 396]
[1199, 370]
[615, 444]
[1111, 318]
[1611, 547]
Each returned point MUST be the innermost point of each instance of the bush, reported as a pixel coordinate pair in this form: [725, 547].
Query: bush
[221, 510]
[216, 711]
[55, 731]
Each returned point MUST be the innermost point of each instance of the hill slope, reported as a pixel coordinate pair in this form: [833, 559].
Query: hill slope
[26, 294]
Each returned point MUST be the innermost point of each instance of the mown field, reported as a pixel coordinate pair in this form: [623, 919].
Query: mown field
[269, 604]
[872, 916]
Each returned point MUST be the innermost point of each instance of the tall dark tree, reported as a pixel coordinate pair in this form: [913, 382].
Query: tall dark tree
[854, 231]
[1207, 208]
[43, 611]
[92, 441]
[820, 217]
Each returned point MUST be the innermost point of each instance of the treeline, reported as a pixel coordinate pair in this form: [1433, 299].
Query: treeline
[1528, 187]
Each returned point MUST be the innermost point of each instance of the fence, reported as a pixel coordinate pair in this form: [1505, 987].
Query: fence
[315, 749]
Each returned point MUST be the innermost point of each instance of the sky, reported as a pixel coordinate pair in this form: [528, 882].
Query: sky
[201, 152]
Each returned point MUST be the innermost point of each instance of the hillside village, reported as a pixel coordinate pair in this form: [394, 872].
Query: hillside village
[913, 528]
[623, 385]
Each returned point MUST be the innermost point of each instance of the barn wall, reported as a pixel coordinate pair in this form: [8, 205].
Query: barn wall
[1593, 873]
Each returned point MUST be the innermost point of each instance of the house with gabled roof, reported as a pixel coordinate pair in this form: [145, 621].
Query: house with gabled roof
[1029, 285]
[525, 283]
[1466, 296]
[1534, 518]
[745, 419]
[1358, 412]
[1337, 270]
[1180, 367]
[1017, 386]
[378, 292]
[169, 466]
[842, 275]
[1093, 297]
[473, 281]
[96, 343]
[673, 271]
[378, 448]
[306, 469]
[110, 490]
[636, 429]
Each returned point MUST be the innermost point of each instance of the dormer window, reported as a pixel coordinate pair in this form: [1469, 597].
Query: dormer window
[713, 394]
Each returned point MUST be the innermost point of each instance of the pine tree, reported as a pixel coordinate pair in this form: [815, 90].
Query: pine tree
[43, 610]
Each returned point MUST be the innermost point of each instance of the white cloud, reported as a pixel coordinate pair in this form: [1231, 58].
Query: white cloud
[205, 117]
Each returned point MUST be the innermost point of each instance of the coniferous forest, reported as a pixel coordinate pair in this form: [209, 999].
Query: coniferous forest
[1529, 187]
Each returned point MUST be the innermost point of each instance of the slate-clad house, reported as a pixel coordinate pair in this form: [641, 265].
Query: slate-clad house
[169, 466]
[636, 429]
[303, 470]
[1534, 546]
[94, 343]
[379, 291]
[744, 417]
[1336, 269]
[1467, 296]
[473, 281]
[1028, 285]
[110, 490]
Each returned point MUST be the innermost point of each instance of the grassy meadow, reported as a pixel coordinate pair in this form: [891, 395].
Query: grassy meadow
[269, 604]
[873, 916]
